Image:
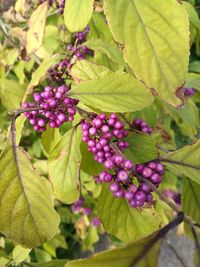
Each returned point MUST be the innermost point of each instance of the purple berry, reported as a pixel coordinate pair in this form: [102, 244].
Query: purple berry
[122, 176]
[140, 196]
[147, 172]
[114, 187]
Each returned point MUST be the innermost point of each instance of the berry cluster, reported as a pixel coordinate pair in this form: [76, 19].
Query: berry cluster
[122, 181]
[189, 91]
[61, 71]
[59, 4]
[141, 126]
[99, 133]
[81, 36]
[56, 108]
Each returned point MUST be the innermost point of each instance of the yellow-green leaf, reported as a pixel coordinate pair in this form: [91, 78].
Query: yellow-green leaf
[36, 25]
[84, 70]
[77, 14]
[64, 165]
[124, 222]
[113, 92]
[27, 214]
[185, 161]
[156, 38]
[20, 254]
[11, 93]
[191, 199]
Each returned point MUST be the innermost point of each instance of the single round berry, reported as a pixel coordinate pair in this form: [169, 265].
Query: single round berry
[114, 187]
[122, 176]
[147, 172]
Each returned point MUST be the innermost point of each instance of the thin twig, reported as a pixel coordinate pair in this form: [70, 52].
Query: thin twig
[18, 112]
[175, 222]
[175, 253]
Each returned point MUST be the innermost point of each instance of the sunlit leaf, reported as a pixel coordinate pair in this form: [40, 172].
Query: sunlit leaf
[185, 161]
[77, 14]
[36, 25]
[20, 254]
[156, 38]
[113, 92]
[27, 213]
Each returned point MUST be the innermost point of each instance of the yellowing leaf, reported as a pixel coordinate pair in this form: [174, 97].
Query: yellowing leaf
[156, 38]
[113, 92]
[84, 70]
[36, 24]
[20, 254]
[27, 214]
[11, 93]
[77, 14]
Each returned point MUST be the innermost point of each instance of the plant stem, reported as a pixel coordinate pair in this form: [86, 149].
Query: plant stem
[18, 112]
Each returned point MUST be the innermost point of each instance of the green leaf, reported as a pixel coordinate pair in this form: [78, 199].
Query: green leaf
[120, 257]
[185, 161]
[41, 72]
[42, 255]
[64, 166]
[142, 148]
[193, 80]
[34, 37]
[77, 14]
[113, 92]
[111, 50]
[84, 70]
[191, 199]
[156, 38]
[192, 14]
[186, 118]
[20, 254]
[50, 139]
[194, 66]
[124, 222]
[99, 28]
[88, 164]
[19, 124]
[27, 214]
[11, 93]
[91, 238]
